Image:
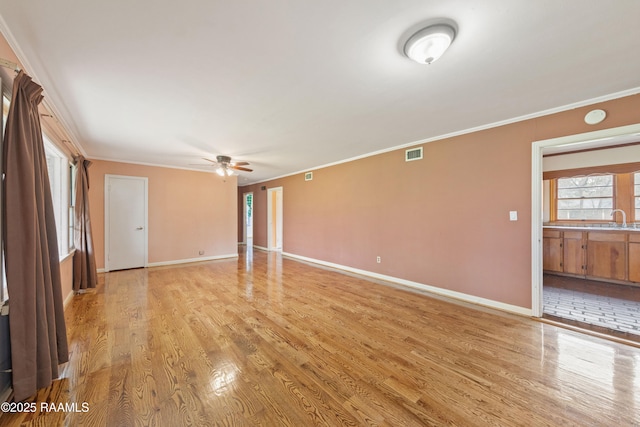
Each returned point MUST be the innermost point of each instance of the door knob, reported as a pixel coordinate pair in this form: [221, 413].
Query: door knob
[139, 228]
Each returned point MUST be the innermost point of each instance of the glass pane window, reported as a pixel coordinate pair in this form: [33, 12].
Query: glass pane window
[57, 165]
[585, 198]
[4, 295]
[72, 199]
[5, 111]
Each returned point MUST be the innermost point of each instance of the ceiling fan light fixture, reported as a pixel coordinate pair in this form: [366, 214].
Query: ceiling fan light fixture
[430, 43]
[225, 167]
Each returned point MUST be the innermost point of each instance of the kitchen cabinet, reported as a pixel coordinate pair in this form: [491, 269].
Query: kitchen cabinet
[552, 250]
[573, 252]
[607, 255]
[634, 257]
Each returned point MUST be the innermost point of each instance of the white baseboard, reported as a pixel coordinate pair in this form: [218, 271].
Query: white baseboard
[189, 260]
[261, 248]
[183, 261]
[433, 289]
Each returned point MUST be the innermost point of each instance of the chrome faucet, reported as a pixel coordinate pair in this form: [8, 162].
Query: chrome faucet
[624, 216]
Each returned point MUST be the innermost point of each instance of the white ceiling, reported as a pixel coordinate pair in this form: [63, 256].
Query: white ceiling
[291, 85]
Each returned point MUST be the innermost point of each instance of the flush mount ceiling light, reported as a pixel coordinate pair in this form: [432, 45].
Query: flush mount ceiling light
[428, 44]
[594, 117]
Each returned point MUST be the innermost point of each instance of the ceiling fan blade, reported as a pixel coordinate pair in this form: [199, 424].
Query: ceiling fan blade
[209, 160]
[240, 163]
[240, 168]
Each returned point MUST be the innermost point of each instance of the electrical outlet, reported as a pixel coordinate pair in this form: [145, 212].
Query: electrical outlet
[513, 215]
[378, 260]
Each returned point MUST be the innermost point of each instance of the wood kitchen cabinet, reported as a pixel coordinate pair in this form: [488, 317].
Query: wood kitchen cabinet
[552, 250]
[573, 252]
[607, 255]
[634, 258]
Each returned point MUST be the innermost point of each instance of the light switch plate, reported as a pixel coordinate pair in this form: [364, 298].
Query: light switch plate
[513, 215]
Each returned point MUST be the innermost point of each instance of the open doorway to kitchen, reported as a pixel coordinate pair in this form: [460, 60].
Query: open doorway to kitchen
[585, 261]
[248, 219]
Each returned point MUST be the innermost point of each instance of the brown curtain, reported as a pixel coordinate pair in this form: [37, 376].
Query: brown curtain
[36, 316]
[85, 274]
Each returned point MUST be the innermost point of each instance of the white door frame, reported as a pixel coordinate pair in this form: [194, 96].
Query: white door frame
[278, 219]
[244, 216]
[603, 137]
[107, 182]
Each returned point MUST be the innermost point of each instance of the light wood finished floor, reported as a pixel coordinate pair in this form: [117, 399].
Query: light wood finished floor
[267, 341]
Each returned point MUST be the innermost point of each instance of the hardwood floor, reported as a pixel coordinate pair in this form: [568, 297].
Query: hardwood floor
[269, 341]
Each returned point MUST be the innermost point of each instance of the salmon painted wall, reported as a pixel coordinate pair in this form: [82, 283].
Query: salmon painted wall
[240, 210]
[188, 211]
[66, 277]
[441, 221]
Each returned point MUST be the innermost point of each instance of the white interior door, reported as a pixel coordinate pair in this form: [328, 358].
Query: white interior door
[125, 222]
[274, 218]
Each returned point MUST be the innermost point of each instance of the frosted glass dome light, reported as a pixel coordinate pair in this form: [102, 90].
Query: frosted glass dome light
[429, 44]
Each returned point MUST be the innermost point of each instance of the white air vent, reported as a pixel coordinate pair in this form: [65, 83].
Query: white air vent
[413, 154]
[308, 176]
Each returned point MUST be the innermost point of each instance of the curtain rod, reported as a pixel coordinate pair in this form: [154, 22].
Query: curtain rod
[70, 145]
[8, 64]
[73, 148]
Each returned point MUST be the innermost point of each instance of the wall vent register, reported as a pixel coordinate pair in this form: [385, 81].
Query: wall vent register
[413, 154]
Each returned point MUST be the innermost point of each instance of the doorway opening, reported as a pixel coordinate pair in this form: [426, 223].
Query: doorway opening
[274, 219]
[576, 293]
[248, 219]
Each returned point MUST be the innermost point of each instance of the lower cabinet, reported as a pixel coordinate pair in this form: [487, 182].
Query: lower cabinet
[634, 258]
[606, 255]
[552, 250]
[574, 256]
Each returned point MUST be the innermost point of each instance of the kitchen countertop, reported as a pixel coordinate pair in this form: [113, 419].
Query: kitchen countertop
[630, 227]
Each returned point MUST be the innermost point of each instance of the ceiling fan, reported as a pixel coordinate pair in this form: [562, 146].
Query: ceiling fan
[225, 167]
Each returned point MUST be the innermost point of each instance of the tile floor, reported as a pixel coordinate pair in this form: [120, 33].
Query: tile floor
[603, 307]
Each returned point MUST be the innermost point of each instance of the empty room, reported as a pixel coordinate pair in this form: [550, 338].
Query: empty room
[297, 213]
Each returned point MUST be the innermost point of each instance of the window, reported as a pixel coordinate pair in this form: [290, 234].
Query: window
[59, 179]
[5, 113]
[585, 198]
[72, 204]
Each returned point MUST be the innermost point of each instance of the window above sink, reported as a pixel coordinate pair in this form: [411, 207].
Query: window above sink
[594, 197]
[584, 197]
